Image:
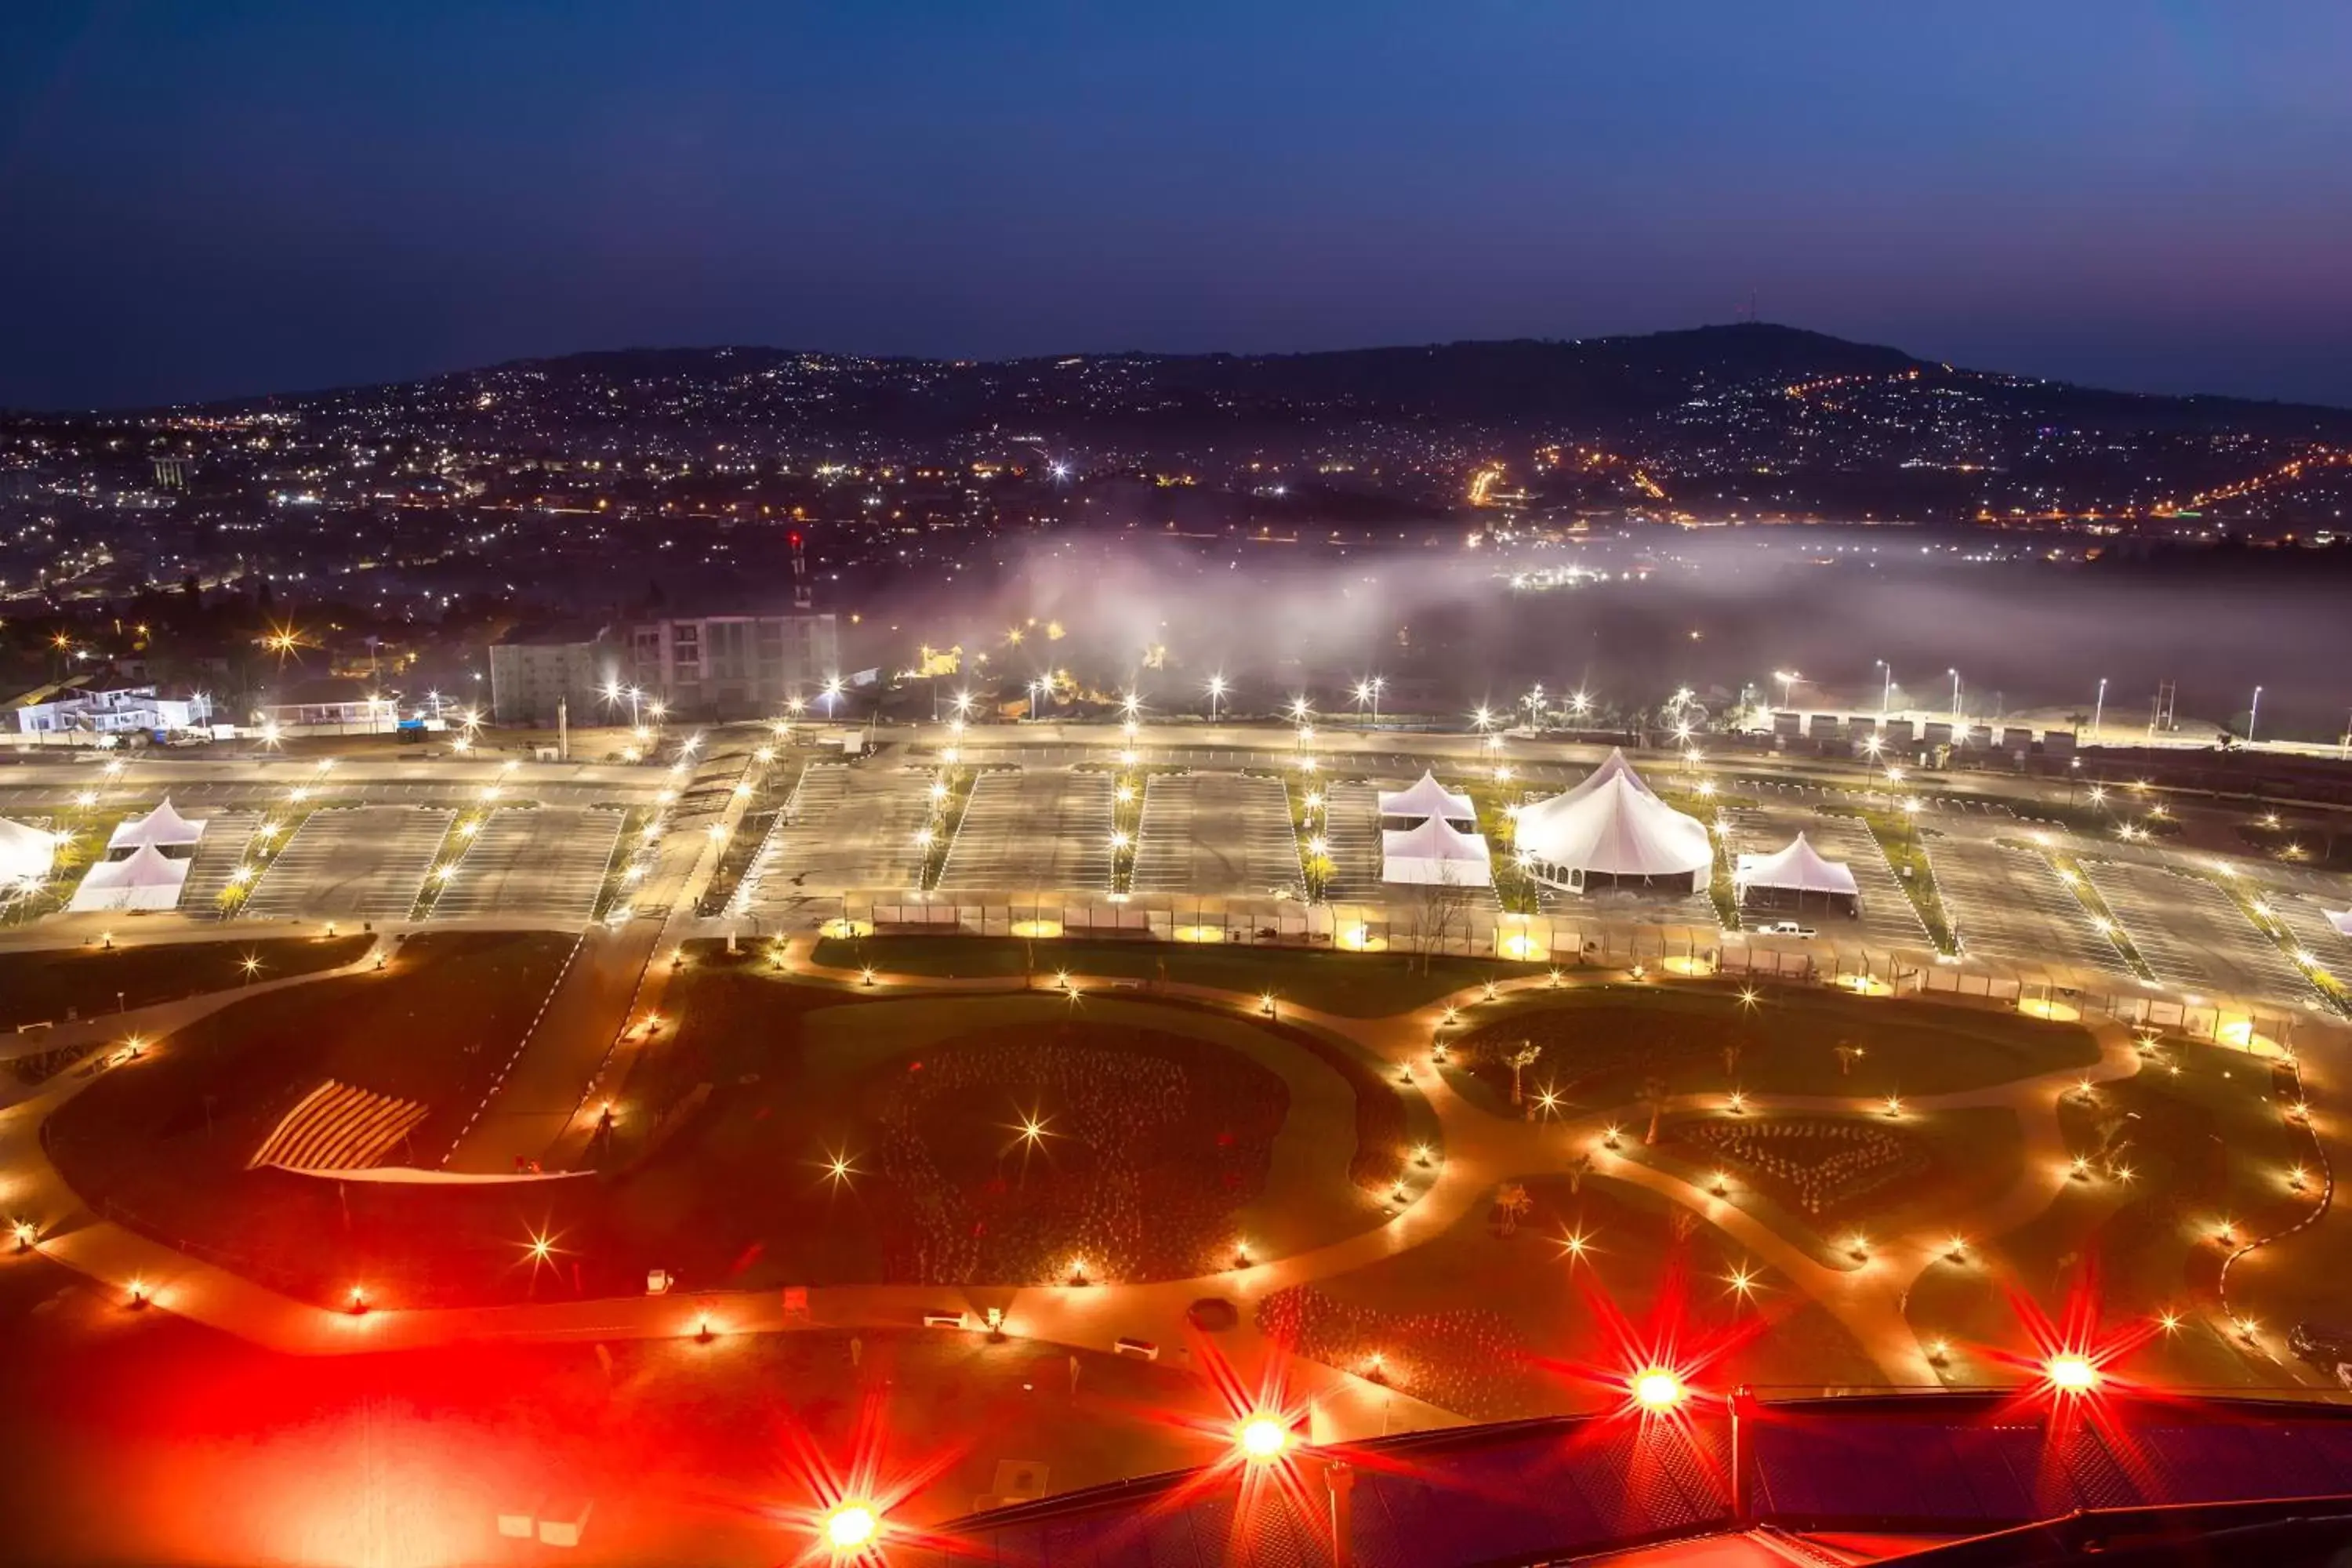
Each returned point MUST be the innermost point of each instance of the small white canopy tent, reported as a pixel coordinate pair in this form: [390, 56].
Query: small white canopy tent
[161, 828]
[1427, 798]
[1800, 868]
[1618, 829]
[149, 879]
[2341, 919]
[1435, 852]
[26, 854]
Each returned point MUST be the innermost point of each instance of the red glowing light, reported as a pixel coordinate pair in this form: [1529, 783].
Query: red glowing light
[1263, 1438]
[1658, 1388]
[2071, 1372]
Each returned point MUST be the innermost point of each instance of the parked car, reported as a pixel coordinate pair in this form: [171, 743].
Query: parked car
[1784, 928]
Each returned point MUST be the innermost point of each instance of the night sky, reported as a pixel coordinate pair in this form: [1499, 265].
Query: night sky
[217, 198]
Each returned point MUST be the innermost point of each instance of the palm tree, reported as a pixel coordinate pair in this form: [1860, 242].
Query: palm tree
[1521, 1059]
[1511, 1201]
[1655, 1095]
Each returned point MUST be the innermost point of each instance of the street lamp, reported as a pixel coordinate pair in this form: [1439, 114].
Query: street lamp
[1370, 691]
[2098, 709]
[832, 695]
[1885, 689]
[2253, 712]
[1216, 692]
[1955, 696]
[1789, 680]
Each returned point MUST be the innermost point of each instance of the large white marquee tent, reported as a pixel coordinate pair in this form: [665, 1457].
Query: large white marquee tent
[26, 854]
[1613, 826]
[163, 828]
[149, 879]
[1436, 853]
[1427, 798]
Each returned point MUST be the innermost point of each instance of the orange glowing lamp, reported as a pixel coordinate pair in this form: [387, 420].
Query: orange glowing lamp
[1263, 1438]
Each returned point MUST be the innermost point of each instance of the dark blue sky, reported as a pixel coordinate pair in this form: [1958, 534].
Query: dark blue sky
[201, 199]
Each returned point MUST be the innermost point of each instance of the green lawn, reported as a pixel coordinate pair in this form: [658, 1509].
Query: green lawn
[47, 984]
[805, 1076]
[1351, 985]
[1601, 1042]
[162, 1142]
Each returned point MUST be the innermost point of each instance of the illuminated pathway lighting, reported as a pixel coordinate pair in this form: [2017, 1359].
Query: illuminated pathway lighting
[2072, 1373]
[1262, 1439]
[850, 1527]
[1658, 1388]
[1037, 928]
[1199, 934]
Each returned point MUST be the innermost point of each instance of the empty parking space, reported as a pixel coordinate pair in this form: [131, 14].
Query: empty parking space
[1351, 833]
[1216, 834]
[2193, 934]
[1033, 831]
[218, 853]
[2309, 923]
[546, 862]
[2013, 904]
[357, 863]
[847, 829]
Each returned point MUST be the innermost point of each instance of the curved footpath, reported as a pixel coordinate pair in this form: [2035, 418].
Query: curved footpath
[1481, 1150]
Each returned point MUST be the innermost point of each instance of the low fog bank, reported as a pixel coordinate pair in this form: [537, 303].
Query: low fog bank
[1713, 612]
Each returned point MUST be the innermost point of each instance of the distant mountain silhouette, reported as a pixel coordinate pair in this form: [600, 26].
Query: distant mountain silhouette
[1517, 383]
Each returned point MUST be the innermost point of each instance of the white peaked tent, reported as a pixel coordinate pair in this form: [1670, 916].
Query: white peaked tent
[1427, 798]
[2341, 919]
[26, 854]
[1618, 829]
[1614, 766]
[149, 879]
[1435, 852]
[1800, 868]
[161, 828]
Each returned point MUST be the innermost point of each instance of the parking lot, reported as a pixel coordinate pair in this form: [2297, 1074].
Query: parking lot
[2308, 921]
[2193, 934]
[547, 861]
[847, 829]
[2013, 904]
[218, 853]
[351, 863]
[1027, 830]
[1351, 832]
[1215, 834]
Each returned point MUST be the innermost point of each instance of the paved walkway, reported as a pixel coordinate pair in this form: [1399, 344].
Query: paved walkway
[1480, 1149]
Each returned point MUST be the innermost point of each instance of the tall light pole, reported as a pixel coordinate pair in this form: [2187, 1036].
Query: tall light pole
[832, 695]
[1377, 684]
[2098, 709]
[2253, 711]
[1886, 691]
[1216, 691]
[1955, 696]
[1789, 680]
